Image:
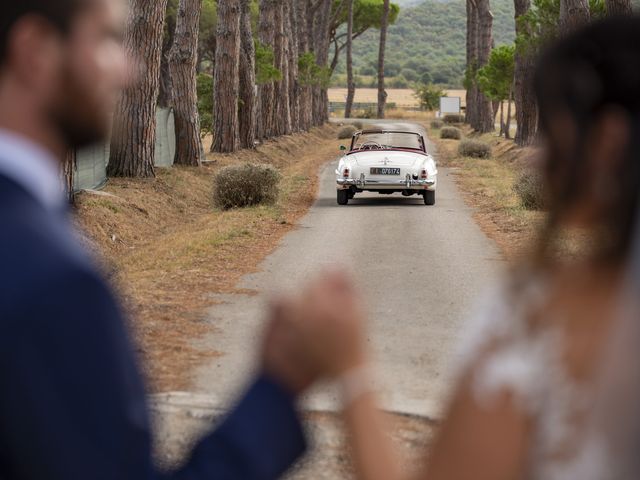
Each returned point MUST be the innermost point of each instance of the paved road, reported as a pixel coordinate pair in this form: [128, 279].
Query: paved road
[419, 268]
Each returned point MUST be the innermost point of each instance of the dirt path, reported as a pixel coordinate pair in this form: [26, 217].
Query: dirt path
[419, 268]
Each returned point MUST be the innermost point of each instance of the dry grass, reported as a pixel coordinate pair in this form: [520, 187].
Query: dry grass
[403, 97]
[167, 249]
[487, 185]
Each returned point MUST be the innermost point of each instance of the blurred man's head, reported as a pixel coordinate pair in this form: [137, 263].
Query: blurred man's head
[62, 65]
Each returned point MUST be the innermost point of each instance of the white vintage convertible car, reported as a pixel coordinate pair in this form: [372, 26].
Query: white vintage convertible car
[386, 162]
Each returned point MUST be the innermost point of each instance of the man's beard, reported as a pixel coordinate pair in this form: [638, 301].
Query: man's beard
[79, 122]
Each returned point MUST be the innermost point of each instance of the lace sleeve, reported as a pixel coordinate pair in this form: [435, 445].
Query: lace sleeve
[500, 353]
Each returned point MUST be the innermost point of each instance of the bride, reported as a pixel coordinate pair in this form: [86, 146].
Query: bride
[547, 385]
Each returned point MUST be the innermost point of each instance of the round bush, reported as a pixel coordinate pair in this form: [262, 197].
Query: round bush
[346, 132]
[451, 132]
[358, 125]
[529, 187]
[246, 185]
[451, 119]
[474, 149]
[437, 124]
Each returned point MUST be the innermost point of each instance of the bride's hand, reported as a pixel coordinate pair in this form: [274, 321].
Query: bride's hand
[327, 323]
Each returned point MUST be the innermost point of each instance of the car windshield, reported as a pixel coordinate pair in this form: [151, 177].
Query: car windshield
[377, 140]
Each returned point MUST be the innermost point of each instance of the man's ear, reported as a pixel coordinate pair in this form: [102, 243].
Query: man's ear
[34, 51]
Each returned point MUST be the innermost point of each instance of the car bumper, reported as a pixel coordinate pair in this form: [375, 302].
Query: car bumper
[408, 182]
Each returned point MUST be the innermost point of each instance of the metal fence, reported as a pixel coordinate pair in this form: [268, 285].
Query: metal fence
[91, 162]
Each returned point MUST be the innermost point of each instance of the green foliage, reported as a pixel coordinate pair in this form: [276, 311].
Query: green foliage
[246, 185]
[429, 38]
[429, 96]
[540, 24]
[266, 71]
[496, 77]
[310, 73]
[366, 14]
[451, 133]
[397, 82]
[205, 103]
[208, 19]
[474, 149]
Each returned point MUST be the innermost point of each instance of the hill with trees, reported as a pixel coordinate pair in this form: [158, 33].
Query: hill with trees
[426, 43]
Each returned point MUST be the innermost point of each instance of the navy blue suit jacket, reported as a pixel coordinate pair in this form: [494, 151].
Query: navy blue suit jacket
[72, 403]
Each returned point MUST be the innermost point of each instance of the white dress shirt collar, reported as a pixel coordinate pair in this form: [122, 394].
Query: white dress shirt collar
[33, 168]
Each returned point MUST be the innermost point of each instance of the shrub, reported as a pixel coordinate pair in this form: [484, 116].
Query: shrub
[474, 148]
[358, 125]
[451, 132]
[437, 124]
[366, 113]
[429, 96]
[246, 185]
[346, 131]
[529, 187]
[452, 118]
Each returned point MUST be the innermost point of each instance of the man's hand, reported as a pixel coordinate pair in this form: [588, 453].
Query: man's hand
[283, 357]
[319, 333]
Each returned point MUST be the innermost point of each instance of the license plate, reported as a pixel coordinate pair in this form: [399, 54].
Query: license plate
[385, 171]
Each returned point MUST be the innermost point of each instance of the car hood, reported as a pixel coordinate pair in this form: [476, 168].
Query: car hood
[386, 158]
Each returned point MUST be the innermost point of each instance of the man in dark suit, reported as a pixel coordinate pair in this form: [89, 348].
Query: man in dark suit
[72, 403]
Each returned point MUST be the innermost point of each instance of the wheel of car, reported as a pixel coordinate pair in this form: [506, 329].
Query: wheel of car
[343, 197]
[429, 197]
[351, 194]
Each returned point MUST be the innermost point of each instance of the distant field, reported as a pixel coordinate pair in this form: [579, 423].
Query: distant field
[402, 97]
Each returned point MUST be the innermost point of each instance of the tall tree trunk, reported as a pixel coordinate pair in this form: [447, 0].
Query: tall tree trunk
[165, 93]
[292, 28]
[472, 61]
[351, 84]
[226, 80]
[182, 65]
[382, 93]
[618, 7]
[282, 112]
[501, 117]
[484, 116]
[524, 71]
[573, 15]
[134, 134]
[305, 33]
[247, 106]
[508, 124]
[266, 35]
[321, 36]
[68, 174]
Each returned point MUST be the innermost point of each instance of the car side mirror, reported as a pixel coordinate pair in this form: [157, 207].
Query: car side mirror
[342, 148]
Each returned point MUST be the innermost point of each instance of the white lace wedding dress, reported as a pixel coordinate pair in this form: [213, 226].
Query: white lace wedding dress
[581, 430]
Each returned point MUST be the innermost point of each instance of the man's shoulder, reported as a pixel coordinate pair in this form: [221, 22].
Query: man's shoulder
[37, 251]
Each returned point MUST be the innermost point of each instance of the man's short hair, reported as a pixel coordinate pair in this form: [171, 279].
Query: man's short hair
[58, 12]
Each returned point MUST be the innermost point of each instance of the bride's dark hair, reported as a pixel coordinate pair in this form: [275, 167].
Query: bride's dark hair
[583, 74]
